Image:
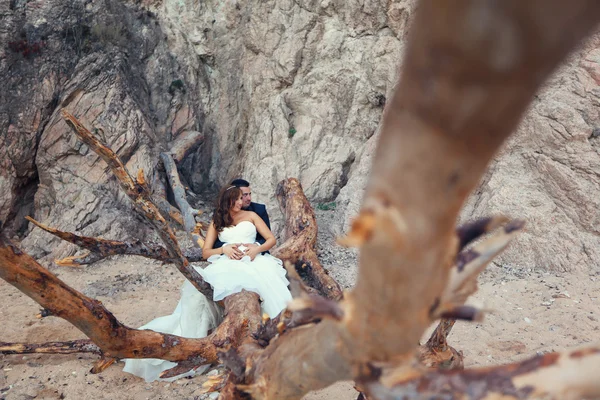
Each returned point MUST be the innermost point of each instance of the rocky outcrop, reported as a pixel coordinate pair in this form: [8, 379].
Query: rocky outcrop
[547, 174]
[111, 66]
[277, 89]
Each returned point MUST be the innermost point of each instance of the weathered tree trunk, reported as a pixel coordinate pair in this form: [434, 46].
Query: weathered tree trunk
[300, 239]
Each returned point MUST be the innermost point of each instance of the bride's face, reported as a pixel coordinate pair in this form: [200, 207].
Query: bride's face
[237, 206]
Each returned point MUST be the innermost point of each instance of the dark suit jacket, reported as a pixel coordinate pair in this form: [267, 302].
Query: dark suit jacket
[261, 211]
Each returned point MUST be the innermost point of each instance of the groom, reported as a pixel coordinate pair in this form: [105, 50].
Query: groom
[249, 205]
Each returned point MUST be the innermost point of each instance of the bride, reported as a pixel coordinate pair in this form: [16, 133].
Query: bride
[238, 265]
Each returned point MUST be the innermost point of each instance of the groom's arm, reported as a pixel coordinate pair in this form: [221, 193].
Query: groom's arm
[261, 210]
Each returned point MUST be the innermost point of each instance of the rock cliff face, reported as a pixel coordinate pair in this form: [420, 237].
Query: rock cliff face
[279, 88]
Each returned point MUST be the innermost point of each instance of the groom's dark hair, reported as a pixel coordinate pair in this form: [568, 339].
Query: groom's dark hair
[240, 183]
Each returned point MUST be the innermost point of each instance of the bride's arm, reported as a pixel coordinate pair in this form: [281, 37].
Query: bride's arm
[211, 237]
[265, 232]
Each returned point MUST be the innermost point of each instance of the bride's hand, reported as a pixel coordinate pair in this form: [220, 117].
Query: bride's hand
[232, 251]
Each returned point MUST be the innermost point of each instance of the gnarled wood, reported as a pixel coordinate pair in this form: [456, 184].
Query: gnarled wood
[569, 375]
[142, 202]
[112, 337]
[300, 239]
[102, 248]
[436, 353]
[240, 326]
[242, 317]
[470, 70]
[74, 346]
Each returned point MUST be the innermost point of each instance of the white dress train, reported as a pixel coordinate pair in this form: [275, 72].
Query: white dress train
[195, 316]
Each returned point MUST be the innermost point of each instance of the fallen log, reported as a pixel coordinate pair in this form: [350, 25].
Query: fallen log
[188, 213]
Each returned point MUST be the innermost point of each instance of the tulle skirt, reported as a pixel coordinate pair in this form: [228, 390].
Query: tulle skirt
[195, 315]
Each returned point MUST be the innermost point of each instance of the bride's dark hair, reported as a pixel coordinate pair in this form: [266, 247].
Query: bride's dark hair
[227, 198]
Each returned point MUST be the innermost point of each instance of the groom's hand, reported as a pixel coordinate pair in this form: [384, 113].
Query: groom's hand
[252, 252]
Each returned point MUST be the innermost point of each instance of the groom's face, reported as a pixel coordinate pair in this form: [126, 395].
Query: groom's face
[246, 196]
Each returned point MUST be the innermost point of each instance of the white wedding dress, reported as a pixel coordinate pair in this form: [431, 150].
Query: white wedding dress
[195, 316]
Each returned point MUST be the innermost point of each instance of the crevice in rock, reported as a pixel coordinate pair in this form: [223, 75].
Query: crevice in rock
[24, 190]
[345, 175]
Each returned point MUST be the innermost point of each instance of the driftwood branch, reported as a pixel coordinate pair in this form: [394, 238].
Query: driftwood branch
[159, 197]
[187, 212]
[179, 192]
[300, 239]
[436, 353]
[184, 144]
[142, 202]
[112, 337]
[74, 346]
[80, 260]
[570, 375]
[102, 248]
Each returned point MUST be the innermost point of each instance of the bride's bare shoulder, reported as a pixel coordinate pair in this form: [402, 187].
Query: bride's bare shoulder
[251, 215]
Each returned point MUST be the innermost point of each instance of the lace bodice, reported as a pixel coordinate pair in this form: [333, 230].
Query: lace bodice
[244, 232]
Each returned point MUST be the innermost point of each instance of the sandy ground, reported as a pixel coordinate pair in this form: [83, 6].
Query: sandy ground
[531, 312]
